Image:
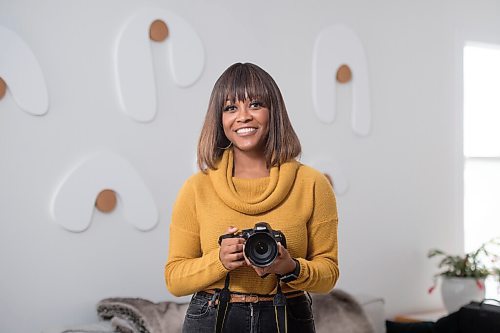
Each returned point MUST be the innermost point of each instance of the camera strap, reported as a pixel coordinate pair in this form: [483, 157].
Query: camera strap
[279, 302]
[224, 298]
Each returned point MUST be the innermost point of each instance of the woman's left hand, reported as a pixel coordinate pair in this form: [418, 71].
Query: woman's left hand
[283, 264]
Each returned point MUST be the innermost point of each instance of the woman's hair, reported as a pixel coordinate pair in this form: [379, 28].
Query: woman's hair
[238, 83]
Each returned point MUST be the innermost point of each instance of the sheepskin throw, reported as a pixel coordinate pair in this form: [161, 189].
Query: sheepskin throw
[339, 312]
[137, 315]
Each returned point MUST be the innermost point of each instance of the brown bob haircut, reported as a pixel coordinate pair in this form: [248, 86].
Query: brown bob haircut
[240, 82]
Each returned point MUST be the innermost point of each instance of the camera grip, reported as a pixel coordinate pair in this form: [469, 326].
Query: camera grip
[280, 237]
[222, 237]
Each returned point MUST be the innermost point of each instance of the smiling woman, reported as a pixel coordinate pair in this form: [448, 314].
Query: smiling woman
[246, 125]
[249, 174]
[257, 90]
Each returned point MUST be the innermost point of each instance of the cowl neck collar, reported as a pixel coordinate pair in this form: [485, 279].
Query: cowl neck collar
[281, 179]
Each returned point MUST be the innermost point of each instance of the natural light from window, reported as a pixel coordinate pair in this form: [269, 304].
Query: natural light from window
[481, 144]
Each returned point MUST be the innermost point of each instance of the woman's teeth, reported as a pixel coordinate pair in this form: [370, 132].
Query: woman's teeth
[245, 130]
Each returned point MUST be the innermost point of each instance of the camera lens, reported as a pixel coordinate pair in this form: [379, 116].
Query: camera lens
[261, 249]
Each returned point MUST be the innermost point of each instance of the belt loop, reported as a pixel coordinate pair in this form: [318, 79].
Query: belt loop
[213, 299]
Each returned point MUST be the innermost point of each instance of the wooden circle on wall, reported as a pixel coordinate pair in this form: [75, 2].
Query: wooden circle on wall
[344, 74]
[106, 201]
[3, 88]
[158, 31]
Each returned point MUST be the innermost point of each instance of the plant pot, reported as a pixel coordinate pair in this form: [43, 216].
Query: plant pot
[456, 292]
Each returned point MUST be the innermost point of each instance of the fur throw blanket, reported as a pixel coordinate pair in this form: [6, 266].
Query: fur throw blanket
[339, 312]
[137, 315]
[336, 312]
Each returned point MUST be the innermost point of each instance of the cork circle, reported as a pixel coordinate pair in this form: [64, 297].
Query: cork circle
[344, 74]
[106, 201]
[3, 88]
[158, 31]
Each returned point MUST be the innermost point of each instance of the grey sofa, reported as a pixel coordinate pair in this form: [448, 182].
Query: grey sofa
[336, 312]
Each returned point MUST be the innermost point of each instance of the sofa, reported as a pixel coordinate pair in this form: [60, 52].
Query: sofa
[335, 312]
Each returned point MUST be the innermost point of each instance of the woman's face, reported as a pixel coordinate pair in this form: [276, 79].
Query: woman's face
[246, 124]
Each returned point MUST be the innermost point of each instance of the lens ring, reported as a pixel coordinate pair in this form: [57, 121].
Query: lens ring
[261, 249]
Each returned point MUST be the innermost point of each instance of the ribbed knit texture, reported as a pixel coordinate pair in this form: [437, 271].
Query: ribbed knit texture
[296, 199]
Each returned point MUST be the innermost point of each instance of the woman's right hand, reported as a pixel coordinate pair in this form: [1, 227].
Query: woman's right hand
[231, 251]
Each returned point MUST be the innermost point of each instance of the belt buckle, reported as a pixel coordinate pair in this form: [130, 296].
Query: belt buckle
[251, 299]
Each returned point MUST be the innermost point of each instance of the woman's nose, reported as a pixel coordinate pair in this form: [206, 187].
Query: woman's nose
[244, 114]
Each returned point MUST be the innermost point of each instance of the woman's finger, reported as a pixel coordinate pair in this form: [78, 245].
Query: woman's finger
[232, 241]
[246, 259]
[231, 230]
[260, 271]
[233, 244]
[236, 248]
[237, 256]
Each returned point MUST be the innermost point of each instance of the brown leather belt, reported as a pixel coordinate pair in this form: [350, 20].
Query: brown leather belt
[249, 298]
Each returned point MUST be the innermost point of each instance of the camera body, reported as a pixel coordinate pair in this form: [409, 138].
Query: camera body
[261, 243]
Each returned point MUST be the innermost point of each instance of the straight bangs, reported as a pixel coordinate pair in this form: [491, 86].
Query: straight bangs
[244, 82]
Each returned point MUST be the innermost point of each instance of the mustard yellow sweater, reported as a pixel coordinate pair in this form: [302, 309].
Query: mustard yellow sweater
[295, 199]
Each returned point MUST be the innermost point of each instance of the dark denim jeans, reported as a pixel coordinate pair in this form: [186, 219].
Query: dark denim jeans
[248, 317]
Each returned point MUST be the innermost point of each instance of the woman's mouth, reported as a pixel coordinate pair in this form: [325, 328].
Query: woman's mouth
[245, 130]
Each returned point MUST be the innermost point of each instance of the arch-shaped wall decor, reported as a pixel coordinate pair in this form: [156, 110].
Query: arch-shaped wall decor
[134, 63]
[74, 200]
[335, 171]
[22, 74]
[336, 46]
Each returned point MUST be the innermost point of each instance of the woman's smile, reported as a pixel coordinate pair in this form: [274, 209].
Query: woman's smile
[246, 124]
[246, 131]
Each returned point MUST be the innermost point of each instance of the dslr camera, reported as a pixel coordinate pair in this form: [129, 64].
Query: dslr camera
[261, 245]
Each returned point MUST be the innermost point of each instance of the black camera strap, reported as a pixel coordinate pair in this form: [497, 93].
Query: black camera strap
[279, 302]
[224, 298]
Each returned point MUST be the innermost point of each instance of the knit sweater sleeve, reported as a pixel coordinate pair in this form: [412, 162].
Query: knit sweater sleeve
[188, 269]
[319, 271]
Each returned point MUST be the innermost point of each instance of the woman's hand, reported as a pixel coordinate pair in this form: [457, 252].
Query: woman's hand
[283, 264]
[231, 251]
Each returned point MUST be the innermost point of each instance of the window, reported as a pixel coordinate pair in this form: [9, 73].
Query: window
[481, 146]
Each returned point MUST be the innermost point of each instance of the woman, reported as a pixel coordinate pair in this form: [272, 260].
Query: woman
[247, 155]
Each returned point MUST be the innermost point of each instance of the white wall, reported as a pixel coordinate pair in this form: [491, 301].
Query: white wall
[405, 193]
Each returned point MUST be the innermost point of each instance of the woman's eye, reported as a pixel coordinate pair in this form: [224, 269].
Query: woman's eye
[229, 108]
[256, 104]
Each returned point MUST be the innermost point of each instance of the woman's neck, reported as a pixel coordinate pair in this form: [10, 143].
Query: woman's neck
[247, 165]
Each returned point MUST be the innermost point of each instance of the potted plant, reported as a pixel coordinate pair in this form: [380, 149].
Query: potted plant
[463, 276]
